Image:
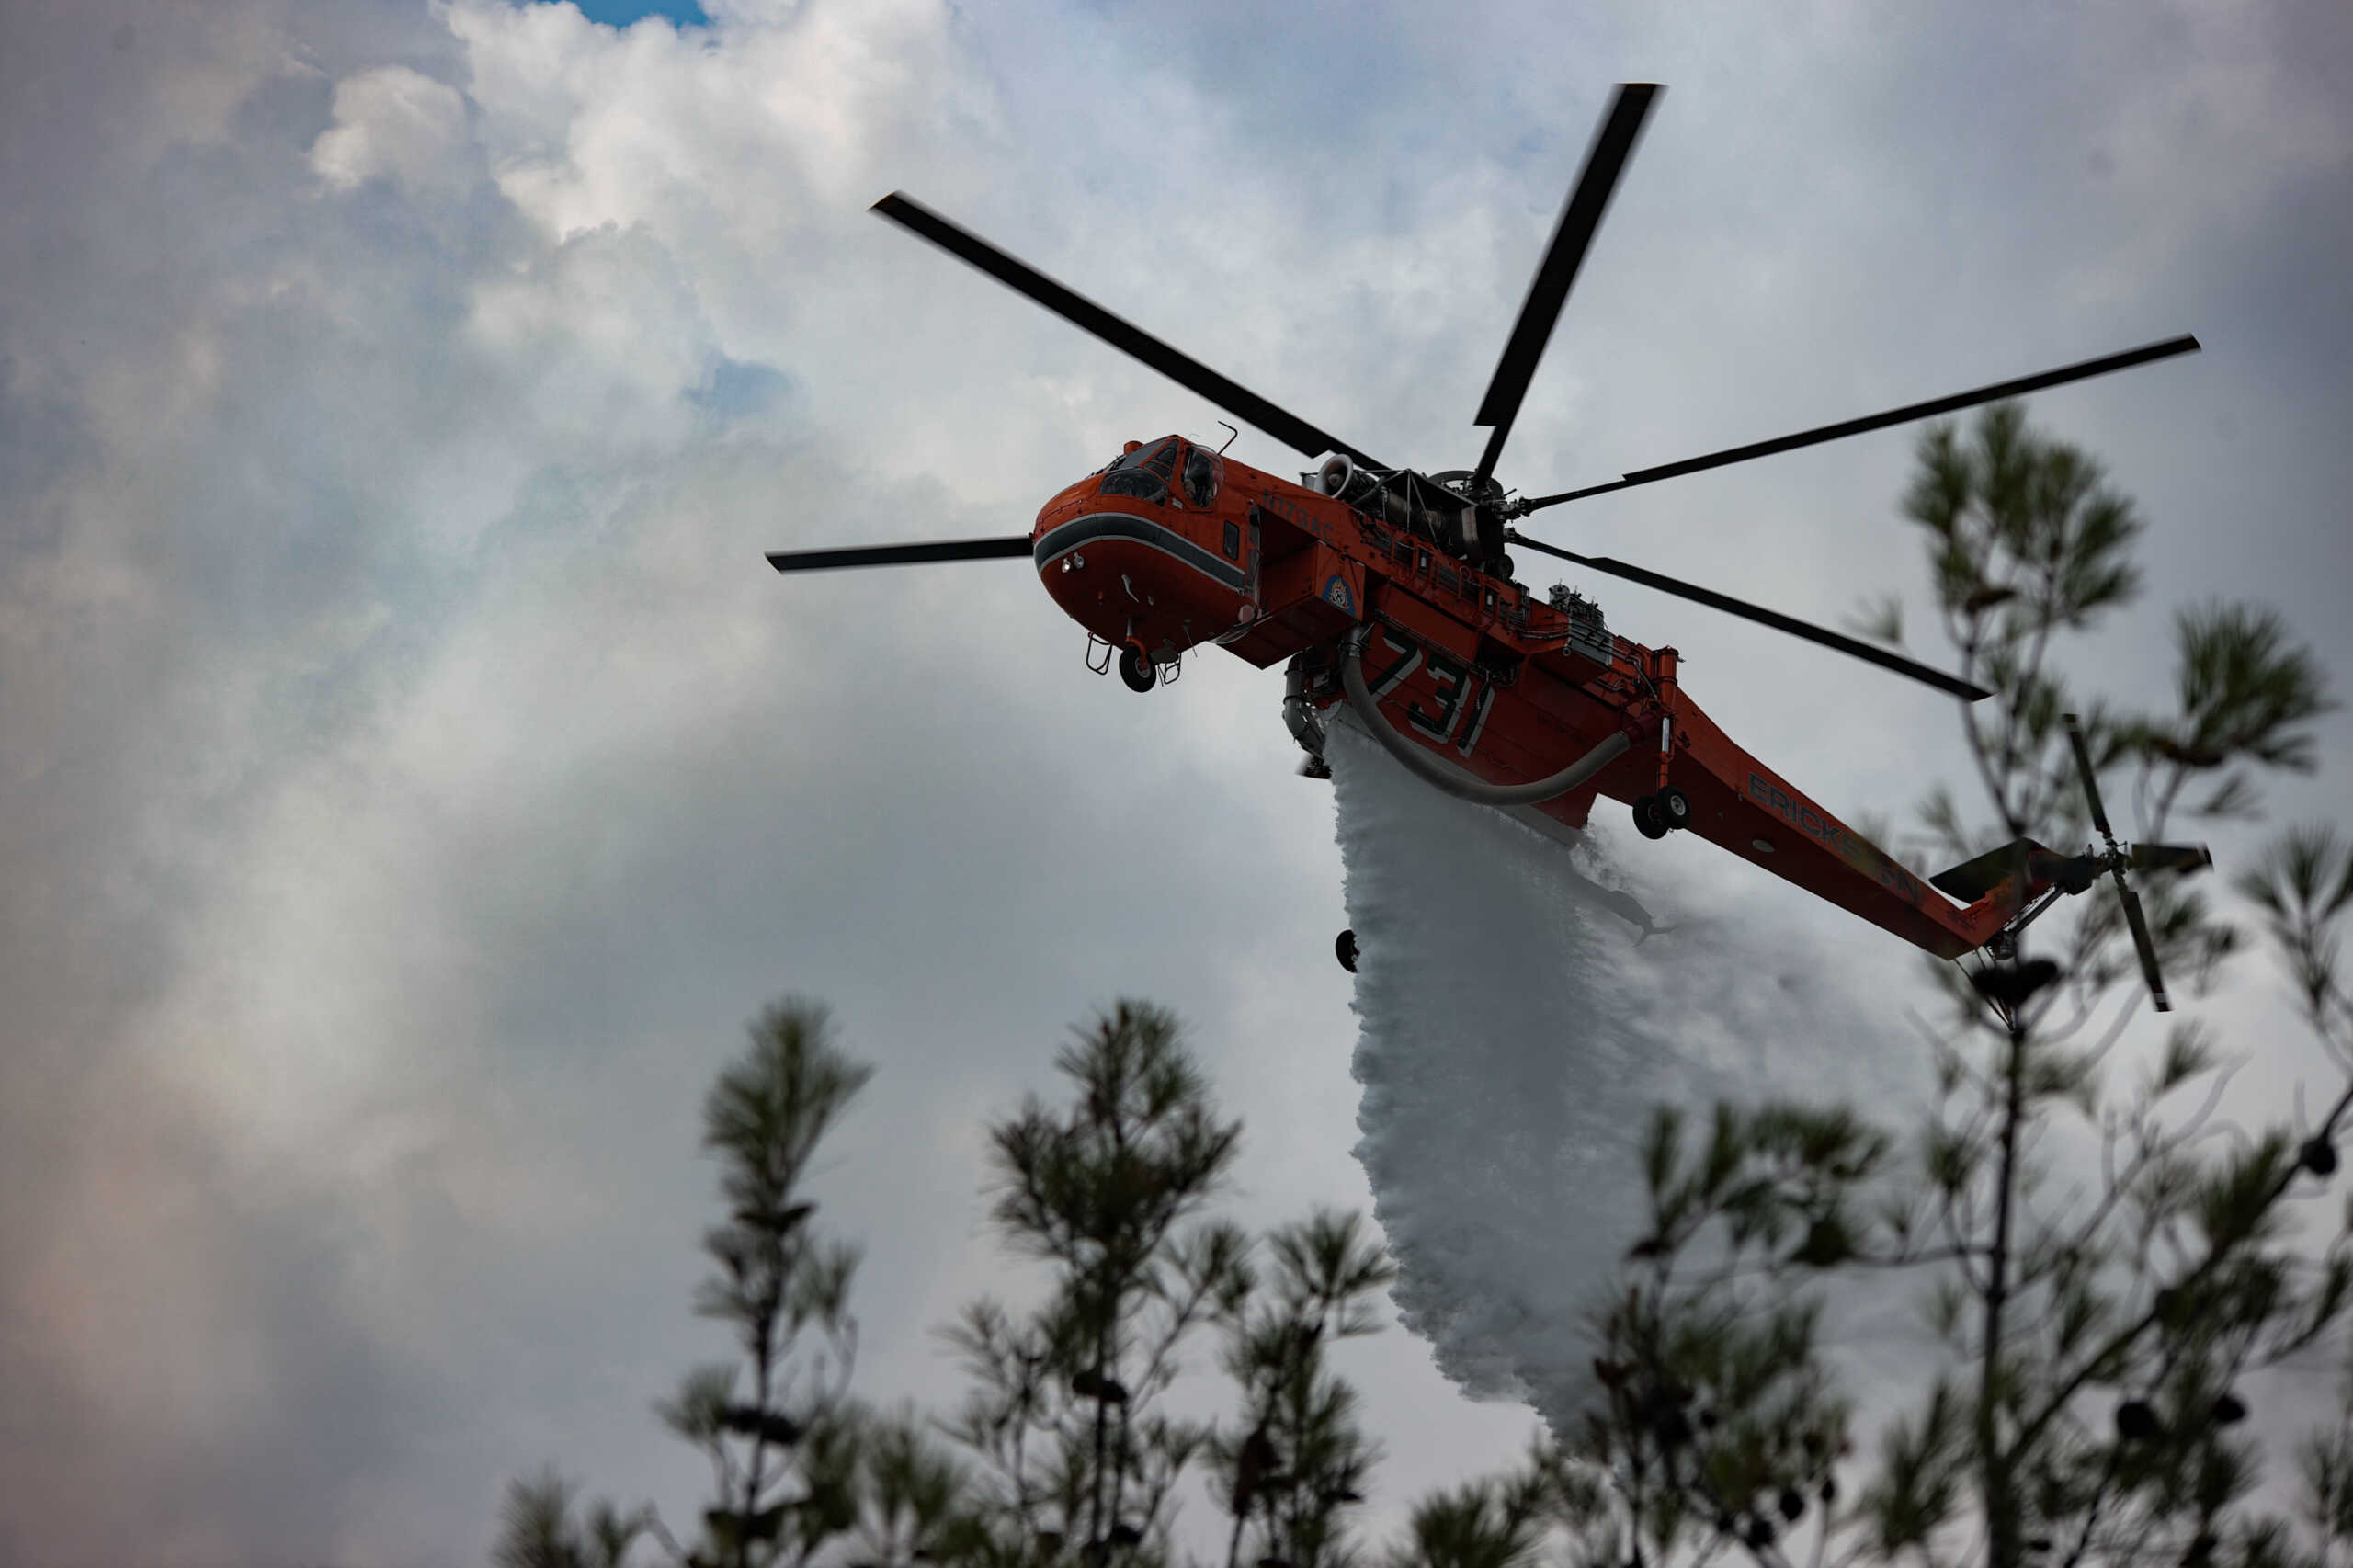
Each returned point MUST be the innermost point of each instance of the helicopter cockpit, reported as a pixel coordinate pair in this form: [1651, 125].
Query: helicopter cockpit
[1148, 469]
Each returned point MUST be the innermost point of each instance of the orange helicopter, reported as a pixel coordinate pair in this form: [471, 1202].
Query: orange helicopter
[1389, 595]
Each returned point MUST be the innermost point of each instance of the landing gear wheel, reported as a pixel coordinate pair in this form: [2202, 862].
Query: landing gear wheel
[1344, 948]
[1674, 807]
[1648, 820]
[1137, 670]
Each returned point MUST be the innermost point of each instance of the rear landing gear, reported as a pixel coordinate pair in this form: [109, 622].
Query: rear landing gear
[1657, 816]
[1344, 948]
[1137, 670]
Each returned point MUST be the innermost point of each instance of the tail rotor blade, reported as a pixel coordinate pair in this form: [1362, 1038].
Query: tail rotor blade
[901, 554]
[2142, 857]
[2091, 784]
[2142, 945]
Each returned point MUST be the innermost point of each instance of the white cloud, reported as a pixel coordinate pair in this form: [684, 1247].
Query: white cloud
[398, 124]
[601, 337]
[785, 122]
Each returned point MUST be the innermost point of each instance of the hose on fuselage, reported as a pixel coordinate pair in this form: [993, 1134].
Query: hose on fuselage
[1430, 768]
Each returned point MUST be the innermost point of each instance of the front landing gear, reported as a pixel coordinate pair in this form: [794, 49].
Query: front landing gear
[1136, 668]
[1657, 816]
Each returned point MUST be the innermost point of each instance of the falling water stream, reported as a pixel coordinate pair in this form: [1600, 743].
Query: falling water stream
[1514, 1038]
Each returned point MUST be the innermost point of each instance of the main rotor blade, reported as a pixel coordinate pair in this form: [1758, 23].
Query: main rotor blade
[2144, 946]
[1613, 143]
[1124, 335]
[1764, 617]
[2185, 344]
[2091, 784]
[901, 554]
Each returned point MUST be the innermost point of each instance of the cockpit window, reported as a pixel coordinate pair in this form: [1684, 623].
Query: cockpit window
[1202, 472]
[1145, 472]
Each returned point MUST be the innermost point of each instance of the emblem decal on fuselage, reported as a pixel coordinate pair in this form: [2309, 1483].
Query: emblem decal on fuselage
[1335, 592]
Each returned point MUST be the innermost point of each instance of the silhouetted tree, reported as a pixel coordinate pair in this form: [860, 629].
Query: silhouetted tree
[537, 1529]
[1079, 1459]
[2086, 1406]
[914, 1499]
[797, 1465]
[1498, 1522]
[1298, 1461]
[784, 1447]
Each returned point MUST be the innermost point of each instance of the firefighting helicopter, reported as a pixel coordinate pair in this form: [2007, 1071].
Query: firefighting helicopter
[1389, 596]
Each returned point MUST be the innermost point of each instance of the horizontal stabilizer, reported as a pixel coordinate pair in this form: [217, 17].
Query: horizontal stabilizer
[2171, 857]
[1972, 880]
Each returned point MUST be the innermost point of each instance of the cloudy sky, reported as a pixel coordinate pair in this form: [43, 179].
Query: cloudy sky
[411, 778]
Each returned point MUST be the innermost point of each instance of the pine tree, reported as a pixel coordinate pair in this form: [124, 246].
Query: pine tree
[1298, 1461]
[784, 1446]
[537, 1531]
[2087, 1404]
[1079, 1460]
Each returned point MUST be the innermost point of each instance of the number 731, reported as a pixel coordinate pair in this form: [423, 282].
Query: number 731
[1461, 698]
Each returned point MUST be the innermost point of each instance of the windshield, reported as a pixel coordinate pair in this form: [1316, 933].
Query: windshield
[1202, 471]
[1145, 472]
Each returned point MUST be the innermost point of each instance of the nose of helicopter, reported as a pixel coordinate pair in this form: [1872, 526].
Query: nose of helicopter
[1138, 568]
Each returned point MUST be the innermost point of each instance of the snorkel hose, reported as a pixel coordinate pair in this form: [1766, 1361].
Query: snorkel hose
[1431, 769]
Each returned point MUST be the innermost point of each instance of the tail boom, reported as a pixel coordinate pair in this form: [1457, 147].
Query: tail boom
[1747, 807]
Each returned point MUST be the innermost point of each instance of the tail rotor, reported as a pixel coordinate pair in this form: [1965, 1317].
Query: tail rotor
[2141, 856]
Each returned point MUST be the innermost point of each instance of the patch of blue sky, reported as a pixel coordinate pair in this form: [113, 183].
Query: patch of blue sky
[737, 389]
[621, 12]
